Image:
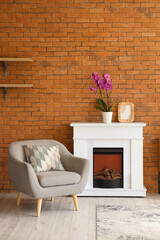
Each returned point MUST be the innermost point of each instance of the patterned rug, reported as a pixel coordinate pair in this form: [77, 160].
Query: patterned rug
[115, 222]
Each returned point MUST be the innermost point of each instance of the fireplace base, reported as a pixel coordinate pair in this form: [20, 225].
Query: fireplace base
[114, 192]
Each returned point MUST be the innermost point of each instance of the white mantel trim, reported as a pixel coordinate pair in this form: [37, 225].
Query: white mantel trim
[114, 124]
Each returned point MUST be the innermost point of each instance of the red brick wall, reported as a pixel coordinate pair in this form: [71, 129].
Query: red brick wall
[68, 40]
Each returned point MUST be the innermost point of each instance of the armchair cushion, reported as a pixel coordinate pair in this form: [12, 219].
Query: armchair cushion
[43, 158]
[58, 178]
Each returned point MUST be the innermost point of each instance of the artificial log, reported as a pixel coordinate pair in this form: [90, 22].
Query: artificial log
[107, 174]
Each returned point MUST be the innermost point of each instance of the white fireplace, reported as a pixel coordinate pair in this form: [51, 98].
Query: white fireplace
[126, 136]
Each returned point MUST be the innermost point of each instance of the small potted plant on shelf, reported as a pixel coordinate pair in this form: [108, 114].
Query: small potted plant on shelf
[103, 89]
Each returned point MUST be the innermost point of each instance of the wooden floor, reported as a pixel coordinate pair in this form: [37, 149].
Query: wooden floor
[58, 220]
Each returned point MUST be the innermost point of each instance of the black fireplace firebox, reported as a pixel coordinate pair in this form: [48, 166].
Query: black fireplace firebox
[108, 167]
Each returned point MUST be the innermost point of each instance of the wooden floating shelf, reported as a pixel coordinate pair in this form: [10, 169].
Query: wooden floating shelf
[16, 85]
[5, 86]
[5, 60]
[16, 59]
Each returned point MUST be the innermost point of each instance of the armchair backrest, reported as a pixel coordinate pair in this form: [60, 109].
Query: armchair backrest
[16, 150]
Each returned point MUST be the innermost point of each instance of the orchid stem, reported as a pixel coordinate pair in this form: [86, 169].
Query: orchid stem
[100, 93]
[108, 100]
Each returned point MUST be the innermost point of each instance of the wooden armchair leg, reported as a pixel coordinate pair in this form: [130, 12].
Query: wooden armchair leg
[19, 194]
[39, 205]
[74, 196]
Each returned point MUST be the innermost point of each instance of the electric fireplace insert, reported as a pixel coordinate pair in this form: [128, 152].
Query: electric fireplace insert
[108, 167]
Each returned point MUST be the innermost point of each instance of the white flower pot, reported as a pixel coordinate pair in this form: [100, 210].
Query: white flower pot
[107, 117]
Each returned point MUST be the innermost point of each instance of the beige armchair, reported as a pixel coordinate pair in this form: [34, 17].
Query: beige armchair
[46, 184]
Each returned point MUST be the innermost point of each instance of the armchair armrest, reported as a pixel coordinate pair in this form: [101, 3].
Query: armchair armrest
[23, 177]
[78, 165]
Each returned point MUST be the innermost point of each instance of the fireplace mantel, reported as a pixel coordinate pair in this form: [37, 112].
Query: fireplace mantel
[129, 136]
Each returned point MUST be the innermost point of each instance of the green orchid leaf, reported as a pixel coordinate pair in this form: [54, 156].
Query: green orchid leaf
[110, 108]
[99, 108]
[102, 103]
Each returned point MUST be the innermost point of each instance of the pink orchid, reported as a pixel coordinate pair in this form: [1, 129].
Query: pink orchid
[93, 89]
[106, 84]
